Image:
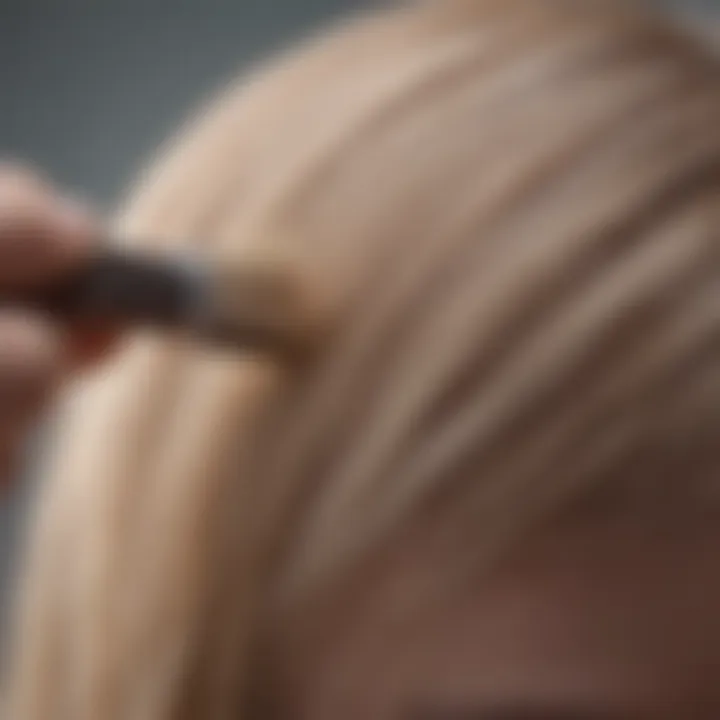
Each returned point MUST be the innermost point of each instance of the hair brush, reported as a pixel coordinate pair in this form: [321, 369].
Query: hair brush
[249, 309]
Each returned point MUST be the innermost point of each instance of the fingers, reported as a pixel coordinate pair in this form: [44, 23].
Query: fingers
[42, 234]
[31, 364]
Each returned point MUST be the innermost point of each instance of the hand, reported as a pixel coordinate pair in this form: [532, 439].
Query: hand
[42, 236]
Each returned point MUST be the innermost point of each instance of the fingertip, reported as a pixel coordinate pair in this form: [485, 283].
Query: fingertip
[42, 233]
[31, 349]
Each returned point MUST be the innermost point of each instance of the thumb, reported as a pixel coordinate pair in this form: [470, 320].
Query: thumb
[41, 234]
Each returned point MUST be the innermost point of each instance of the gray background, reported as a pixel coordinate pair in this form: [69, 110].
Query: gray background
[90, 87]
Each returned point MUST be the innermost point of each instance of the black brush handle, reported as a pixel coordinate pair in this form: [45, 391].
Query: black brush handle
[120, 288]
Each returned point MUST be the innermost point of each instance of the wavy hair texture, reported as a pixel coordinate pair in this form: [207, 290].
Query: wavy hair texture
[506, 215]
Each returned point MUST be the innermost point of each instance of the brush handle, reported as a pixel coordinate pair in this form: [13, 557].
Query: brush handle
[120, 288]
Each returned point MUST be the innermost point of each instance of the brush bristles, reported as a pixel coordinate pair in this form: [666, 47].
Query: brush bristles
[260, 309]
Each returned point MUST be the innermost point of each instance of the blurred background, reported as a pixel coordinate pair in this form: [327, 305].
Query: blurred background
[90, 88]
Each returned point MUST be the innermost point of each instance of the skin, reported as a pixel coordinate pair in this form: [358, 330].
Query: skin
[43, 235]
[608, 621]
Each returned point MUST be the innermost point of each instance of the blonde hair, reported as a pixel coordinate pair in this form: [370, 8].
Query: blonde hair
[505, 213]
